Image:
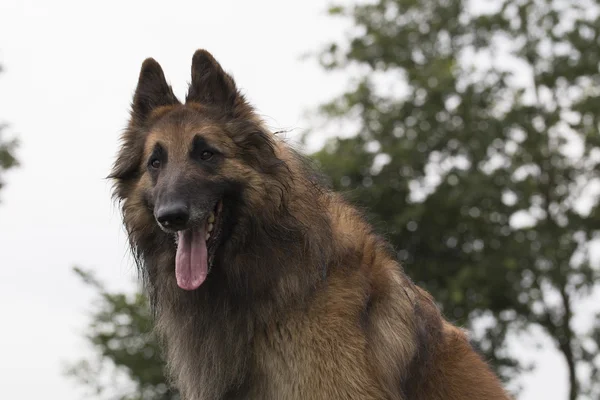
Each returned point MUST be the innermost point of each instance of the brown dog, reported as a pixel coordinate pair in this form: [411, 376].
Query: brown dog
[265, 284]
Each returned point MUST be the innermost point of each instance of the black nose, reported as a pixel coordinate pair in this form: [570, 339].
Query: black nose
[174, 216]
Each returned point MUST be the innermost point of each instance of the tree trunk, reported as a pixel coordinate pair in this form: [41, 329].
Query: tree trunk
[566, 345]
[573, 384]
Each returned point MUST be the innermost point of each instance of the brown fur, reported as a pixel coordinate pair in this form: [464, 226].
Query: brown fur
[305, 301]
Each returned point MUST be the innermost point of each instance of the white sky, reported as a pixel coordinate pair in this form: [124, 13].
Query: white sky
[70, 71]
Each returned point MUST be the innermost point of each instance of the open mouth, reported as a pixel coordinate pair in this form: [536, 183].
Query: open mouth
[214, 229]
[196, 249]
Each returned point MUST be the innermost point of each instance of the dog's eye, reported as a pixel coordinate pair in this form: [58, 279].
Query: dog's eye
[206, 155]
[155, 163]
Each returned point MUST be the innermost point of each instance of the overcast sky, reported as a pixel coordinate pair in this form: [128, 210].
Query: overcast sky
[70, 71]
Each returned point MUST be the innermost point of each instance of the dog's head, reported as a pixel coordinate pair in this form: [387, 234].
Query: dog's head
[192, 171]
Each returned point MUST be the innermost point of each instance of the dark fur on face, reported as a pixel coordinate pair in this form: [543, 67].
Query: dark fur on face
[302, 300]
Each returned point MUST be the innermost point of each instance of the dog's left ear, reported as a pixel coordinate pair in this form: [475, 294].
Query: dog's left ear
[211, 85]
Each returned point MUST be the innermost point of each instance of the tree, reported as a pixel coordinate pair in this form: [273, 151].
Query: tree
[7, 155]
[475, 145]
[120, 332]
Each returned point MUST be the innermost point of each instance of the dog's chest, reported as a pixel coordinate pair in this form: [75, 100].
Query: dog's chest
[312, 356]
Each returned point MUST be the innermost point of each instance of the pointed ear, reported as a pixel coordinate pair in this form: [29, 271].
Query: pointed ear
[152, 91]
[210, 84]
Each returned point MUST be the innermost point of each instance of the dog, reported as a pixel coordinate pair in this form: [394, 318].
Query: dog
[265, 284]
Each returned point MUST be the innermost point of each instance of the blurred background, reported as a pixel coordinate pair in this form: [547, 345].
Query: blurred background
[468, 129]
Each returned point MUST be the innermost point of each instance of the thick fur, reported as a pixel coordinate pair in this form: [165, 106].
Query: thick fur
[305, 301]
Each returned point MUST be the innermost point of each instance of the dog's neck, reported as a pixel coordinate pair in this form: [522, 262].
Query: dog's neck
[208, 332]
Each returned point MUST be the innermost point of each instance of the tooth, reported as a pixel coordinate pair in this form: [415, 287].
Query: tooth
[220, 207]
[211, 217]
[207, 236]
[210, 227]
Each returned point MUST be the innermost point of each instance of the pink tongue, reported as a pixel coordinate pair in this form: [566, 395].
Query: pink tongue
[191, 265]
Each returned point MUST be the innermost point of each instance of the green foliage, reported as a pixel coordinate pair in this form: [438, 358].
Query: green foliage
[120, 332]
[476, 148]
[7, 153]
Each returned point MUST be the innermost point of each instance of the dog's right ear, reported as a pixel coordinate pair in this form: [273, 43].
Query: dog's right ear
[152, 91]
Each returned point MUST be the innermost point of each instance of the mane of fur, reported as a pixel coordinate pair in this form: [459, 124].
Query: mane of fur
[278, 257]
